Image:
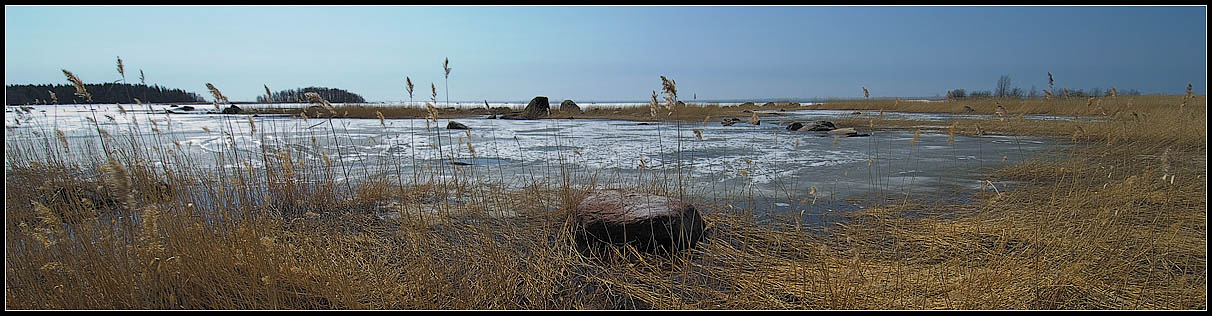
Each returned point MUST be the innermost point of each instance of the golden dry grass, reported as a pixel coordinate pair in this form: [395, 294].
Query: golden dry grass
[1117, 222]
[1104, 106]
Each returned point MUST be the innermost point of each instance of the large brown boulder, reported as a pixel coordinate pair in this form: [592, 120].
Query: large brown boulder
[648, 222]
[569, 106]
[233, 109]
[537, 108]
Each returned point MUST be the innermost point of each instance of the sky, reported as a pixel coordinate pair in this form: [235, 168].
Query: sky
[611, 53]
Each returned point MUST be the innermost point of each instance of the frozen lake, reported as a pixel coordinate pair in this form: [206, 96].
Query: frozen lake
[766, 162]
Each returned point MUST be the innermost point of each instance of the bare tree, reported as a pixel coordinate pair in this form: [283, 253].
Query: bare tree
[1003, 87]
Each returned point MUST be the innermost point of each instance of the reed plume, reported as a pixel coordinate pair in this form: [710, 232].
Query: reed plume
[446, 67]
[433, 113]
[1180, 106]
[142, 79]
[62, 138]
[80, 90]
[866, 95]
[670, 88]
[410, 86]
[654, 103]
[1050, 81]
[315, 98]
[269, 96]
[55, 99]
[219, 98]
[121, 69]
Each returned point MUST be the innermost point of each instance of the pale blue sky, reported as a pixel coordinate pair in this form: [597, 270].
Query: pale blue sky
[613, 53]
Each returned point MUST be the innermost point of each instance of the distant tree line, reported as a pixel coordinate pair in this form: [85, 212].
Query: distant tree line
[104, 93]
[1005, 89]
[296, 96]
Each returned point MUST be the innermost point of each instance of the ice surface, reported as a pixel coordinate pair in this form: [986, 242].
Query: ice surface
[766, 158]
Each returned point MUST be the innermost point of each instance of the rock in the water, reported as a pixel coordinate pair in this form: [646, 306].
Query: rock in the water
[814, 126]
[769, 104]
[856, 113]
[968, 109]
[456, 125]
[233, 109]
[730, 121]
[187, 108]
[569, 106]
[648, 222]
[747, 104]
[847, 132]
